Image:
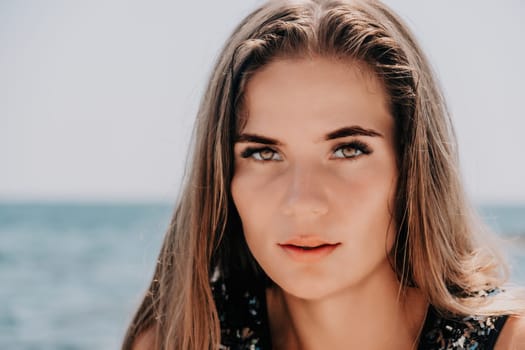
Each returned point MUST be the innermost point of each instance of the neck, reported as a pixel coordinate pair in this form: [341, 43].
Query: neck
[372, 315]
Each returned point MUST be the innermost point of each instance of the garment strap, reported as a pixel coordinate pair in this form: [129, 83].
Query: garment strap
[498, 326]
[456, 332]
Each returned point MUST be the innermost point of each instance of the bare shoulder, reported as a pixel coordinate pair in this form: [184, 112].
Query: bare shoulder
[512, 335]
[145, 340]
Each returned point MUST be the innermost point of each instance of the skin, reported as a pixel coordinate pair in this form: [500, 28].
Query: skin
[512, 335]
[329, 190]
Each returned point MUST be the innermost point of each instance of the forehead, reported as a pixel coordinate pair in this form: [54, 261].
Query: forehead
[315, 94]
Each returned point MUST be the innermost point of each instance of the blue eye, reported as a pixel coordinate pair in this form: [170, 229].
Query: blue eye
[351, 150]
[261, 154]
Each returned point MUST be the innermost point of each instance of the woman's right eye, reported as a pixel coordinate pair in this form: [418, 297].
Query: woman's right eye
[264, 154]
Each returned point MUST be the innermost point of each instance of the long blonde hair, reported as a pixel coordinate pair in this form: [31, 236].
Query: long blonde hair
[437, 248]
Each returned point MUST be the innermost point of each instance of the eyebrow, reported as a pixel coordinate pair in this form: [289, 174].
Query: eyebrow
[257, 139]
[336, 134]
[352, 131]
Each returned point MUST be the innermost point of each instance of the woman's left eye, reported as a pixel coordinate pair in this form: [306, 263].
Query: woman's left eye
[351, 150]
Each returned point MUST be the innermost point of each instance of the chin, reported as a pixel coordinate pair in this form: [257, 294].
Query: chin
[311, 289]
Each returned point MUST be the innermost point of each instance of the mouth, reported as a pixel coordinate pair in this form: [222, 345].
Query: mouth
[308, 242]
[308, 252]
[307, 247]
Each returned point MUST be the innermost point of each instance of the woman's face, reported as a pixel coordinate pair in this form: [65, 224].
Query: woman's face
[315, 175]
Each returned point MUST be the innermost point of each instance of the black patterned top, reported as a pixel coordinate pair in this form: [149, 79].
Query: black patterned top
[244, 323]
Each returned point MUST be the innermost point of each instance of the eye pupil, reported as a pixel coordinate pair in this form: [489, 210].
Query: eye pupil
[349, 151]
[266, 154]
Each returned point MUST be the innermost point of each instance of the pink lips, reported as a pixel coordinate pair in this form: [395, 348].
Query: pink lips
[308, 249]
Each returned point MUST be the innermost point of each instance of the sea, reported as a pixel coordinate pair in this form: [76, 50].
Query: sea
[72, 274]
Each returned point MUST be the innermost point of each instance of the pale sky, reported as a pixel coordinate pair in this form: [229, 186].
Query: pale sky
[97, 98]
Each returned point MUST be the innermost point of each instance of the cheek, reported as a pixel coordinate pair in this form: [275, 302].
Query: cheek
[256, 188]
[249, 204]
[253, 206]
[382, 200]
[367, 189]
[367, 199]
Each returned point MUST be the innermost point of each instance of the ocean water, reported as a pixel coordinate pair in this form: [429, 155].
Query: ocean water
[73, 274]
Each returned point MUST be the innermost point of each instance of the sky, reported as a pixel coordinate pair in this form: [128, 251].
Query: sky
[98, 98]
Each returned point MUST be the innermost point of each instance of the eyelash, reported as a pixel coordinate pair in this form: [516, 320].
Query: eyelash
[356, 145]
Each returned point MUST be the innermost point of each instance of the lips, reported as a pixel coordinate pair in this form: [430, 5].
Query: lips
[308, 249]
[307, 242]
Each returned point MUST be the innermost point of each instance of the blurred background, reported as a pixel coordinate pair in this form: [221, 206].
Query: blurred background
[97, 102]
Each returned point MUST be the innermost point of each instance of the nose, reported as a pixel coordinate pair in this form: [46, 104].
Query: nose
[306, 193]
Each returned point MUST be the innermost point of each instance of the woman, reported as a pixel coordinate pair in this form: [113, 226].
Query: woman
[323, 208]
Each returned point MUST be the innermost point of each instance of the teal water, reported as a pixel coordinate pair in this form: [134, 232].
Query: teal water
[73, 274]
